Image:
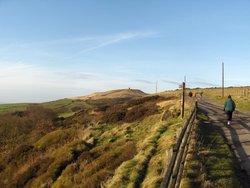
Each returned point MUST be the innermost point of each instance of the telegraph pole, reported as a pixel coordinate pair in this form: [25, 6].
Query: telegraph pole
[156, 86]
[183, 100]
[222, 79]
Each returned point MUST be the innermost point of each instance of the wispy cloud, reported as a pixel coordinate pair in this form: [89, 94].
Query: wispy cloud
[77, 45]
[18, 73]
[22, 82]
[171, 82]
[109, 40]
[61, 41]
[143, 81]
[74, 75]
[8, 69]
[208, 84]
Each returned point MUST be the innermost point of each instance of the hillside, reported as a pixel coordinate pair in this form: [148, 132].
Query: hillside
[114, 138]
[109, 139]
[239, 94]
[113, 94]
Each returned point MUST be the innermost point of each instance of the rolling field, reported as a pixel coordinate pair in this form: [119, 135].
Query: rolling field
[106, 141]
[12, 107]
[241, 96]
[96, 143]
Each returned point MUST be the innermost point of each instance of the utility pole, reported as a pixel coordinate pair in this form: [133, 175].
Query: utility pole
[156, 86]
[183, 100]
[222, 79]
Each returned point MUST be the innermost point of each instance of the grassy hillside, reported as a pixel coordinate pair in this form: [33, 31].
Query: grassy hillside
[87, 143]
[109, 140]
[241, 95]
[12, 107]
[120, 93]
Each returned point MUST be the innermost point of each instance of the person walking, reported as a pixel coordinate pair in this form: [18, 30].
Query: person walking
[229, 108]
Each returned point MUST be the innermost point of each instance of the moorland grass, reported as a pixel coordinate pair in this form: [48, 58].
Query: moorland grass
[133, 172]
[55, 138]
[6, 108]
[134, 146]
[157, 163]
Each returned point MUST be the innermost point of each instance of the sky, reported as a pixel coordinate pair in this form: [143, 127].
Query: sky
[61, 48]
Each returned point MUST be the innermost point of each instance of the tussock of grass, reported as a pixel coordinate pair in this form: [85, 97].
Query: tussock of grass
[132, 173]
[30, 171]
[62, 157]
[57, 137]
[95, 166]
[157, 163]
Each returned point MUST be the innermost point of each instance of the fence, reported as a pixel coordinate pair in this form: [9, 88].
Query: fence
[173, 174]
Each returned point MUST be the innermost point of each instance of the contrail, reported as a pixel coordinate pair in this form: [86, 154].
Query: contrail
[171, 82]
[144, 81]
[203, 84]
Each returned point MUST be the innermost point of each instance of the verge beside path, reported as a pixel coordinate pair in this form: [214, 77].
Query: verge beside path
[237, 134]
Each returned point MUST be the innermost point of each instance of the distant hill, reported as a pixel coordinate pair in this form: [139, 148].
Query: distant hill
[121, 93]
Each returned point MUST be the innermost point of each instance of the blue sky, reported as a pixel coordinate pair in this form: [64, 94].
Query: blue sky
[57, 49]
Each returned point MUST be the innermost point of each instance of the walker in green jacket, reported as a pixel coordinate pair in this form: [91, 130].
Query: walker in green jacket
[229, 107]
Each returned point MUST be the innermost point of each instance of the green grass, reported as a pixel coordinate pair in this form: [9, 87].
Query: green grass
[58, 103]
[157, 163]
[4, 108]
[55, 137]
[65, 107]
[62, 107]
[69, 103]
[241, 96]
[143, 166]
[22, 106]
[62, 156]
[210, 162]
[66, 114]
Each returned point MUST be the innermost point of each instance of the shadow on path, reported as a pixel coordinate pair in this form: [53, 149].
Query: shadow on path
[237, 135]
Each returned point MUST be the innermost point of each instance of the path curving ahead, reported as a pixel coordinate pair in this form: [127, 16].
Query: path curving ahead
[237, 134]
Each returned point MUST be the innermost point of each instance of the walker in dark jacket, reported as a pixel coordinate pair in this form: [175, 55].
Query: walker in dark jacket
[229, 107]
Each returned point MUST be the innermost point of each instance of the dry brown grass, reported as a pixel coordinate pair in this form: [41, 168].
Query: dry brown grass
[85, 149]
[93, 167]
[121, 93]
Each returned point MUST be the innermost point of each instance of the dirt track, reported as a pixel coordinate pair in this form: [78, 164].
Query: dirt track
[237, 134]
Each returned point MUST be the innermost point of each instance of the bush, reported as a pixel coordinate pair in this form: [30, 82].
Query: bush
[18, 153]
[34, 170]
[56, 138]
[143, 100]
[93, 167]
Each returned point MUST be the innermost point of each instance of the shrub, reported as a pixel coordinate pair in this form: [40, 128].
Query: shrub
[143, 100]
[93, 167]
[34, 170]
[140, 112]
[114, 114]
[18, 153]
[56, 138]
